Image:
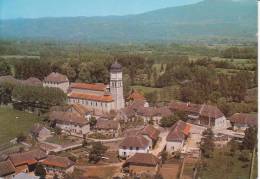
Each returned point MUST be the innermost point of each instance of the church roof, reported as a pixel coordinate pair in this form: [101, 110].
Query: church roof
[89, 86]
[104, 98]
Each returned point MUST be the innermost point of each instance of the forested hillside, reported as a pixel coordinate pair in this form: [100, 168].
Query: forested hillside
[221, 75]
[211, 21]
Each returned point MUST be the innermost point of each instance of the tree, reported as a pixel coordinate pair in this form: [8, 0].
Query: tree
[21, 137]
[92, 121]
[250, 139]
[244, 156]
[207, 143]
[5, 68]
[96, 152]
[84, 73]
[152, 97]
[38, 96]
[40, 171]
[55, 176]
[234, 147]
[164, 156]
[169, 121]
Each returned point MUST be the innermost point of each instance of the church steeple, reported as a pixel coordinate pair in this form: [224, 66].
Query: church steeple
[116, 85]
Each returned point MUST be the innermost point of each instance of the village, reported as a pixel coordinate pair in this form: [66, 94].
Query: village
[100, 133]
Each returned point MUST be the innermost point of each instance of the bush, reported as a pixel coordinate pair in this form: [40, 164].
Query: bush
[169, 121]
[40, 171]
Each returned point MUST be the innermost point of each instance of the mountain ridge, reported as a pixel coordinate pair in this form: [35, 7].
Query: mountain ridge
[210, 19]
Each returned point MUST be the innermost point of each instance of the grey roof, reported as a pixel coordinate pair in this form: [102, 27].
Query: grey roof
[116, 67]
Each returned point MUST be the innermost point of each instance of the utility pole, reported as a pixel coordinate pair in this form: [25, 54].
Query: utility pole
[252, 164]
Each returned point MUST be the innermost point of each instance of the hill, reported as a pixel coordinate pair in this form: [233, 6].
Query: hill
[209, 20]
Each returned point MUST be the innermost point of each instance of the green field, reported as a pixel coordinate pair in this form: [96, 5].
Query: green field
[223, 165]
[145, 89]
[13, 122]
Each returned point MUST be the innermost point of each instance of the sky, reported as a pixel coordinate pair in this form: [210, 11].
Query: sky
[11, 9]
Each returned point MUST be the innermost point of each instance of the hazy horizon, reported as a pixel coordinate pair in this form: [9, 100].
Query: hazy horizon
[66, 8]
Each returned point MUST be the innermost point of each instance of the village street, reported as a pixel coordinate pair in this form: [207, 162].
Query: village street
[161, 143]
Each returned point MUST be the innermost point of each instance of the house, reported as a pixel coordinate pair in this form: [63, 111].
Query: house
[26, 161]
[58, 165]
[142, 163]
[161, 112]
[57, 80]
[108, 127]
[151, 134]
[80, 110]
[177, 136]
[7, 170]
[40, 132]
[205, 115]
[211, 116]
[133, 144]
[70, 122]
[146, 113]
[25, 176]
[242, 121]
[129, 112]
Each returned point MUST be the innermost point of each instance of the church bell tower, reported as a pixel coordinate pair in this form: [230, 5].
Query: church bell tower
[116, 85]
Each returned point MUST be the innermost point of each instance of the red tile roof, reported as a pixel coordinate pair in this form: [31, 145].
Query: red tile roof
[186, 107]
[30, 157]
[178, 131]
[67, 118]
[104, 98]
[151, 132]
[244, 118]
[56, 78]
[6, 168]
[135, 95]
[204, 110]
[89, 86]
[134, 141]
[81, 109]
[57, 161]
[143, 159]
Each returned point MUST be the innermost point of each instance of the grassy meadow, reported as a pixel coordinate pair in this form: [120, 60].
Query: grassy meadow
[13, 123]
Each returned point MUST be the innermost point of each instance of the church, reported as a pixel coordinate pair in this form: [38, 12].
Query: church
[97, 96]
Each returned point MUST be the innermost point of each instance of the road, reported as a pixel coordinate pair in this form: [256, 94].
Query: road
[161, 143]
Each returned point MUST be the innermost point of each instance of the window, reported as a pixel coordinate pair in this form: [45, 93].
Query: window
[137, 148]
[131, 148]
